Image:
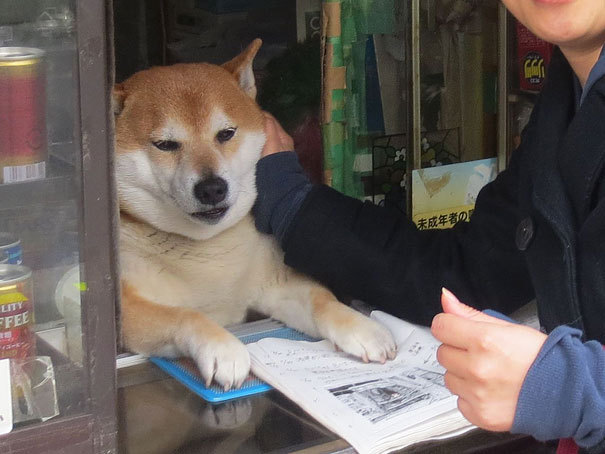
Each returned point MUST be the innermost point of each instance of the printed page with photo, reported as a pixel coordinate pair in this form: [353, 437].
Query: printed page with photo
[375, 407]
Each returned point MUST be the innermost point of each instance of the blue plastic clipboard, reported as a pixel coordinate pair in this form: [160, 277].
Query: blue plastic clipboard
[186, 371]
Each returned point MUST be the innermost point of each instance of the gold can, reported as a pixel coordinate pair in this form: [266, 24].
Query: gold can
[17, 338]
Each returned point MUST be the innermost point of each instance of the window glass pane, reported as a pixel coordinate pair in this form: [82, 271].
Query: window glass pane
[40, 198]
[458, 75]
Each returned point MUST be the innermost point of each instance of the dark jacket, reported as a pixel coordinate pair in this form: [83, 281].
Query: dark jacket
[538, 230]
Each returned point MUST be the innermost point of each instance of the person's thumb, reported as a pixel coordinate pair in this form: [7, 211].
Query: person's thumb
[451, 305]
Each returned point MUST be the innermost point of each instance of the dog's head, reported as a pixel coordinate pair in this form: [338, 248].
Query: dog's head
[188, 137]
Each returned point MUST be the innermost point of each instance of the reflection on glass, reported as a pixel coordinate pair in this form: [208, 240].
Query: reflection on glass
[40, 288]
[458, 74]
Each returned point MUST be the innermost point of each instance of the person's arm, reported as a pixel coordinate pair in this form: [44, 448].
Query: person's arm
[377, 255]
[563, 395]
[512, 377]
[282, 187]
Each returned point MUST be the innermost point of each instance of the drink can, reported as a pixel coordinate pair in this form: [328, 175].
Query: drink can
[23, 148]
[11, 246]
[17, 338]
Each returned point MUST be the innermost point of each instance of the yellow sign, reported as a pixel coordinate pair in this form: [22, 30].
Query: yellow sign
[445, 195]
[443, 219]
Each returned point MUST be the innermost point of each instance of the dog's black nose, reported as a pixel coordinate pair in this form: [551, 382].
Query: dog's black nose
[211, 191]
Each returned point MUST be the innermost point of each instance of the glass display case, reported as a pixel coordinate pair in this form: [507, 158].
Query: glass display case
[57, 274]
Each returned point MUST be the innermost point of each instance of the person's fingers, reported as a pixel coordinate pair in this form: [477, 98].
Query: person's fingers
[270, 130]
[476, 414]
[455, 384]
[273, 142]
[452, 305]
[468, 333]
[455, 331]
[284, 138]
[467, 410]
[277, 139]
[454, 359]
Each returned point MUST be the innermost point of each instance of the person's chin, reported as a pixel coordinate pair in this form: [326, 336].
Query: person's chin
[553, 2]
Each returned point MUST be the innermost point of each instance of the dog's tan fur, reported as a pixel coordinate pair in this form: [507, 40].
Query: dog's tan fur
[184, 277]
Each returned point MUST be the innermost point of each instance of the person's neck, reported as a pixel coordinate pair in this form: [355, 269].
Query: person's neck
[582, 61]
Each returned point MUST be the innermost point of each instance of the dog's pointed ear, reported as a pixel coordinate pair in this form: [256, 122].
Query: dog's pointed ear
[118, 96]
[241, 68]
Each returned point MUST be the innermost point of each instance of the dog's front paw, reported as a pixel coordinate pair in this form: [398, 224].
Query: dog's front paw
[224, 360]
[363, 337]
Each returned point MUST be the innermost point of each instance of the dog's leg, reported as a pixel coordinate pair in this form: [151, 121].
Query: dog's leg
[315, 310]
[153, 329]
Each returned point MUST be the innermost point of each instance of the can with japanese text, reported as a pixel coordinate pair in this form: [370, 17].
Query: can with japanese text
[17, 339]
[11, 246]
[23, 148]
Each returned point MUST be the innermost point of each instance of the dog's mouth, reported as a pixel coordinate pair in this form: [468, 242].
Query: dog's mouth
[211, 215]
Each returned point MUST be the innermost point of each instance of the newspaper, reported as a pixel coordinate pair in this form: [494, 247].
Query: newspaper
[377, 408]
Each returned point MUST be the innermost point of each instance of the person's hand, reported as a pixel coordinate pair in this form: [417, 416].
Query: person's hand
[486, 360]
[277, 139]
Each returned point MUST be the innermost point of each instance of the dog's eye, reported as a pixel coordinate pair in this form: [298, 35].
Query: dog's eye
[167, 145]
[225, 134]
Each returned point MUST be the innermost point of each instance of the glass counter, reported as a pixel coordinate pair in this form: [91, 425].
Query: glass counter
[159, 415]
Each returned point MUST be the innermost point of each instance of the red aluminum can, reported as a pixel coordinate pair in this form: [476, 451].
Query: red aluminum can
[17, 338]
[23, 148]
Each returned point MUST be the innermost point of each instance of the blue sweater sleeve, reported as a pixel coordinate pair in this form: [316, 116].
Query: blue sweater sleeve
[563, 394]
[282, 186]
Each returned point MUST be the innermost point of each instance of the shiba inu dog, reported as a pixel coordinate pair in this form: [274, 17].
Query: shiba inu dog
[188, 138]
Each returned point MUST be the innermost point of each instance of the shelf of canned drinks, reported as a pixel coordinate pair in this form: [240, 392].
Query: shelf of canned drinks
[17, 195]
[46, 365]
[57, 184]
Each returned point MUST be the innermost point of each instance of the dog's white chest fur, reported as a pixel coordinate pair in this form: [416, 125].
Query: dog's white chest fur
[221, 276]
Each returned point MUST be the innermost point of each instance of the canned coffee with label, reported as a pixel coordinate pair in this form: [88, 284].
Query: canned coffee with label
[17, 339]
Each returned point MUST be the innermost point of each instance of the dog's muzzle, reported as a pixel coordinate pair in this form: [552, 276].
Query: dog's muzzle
[211, 191]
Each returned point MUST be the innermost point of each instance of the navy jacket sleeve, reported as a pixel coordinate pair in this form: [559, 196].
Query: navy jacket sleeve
[376, 254]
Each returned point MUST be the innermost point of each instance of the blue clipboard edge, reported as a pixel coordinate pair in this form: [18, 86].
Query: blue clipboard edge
[247, 333]
[199, 388]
